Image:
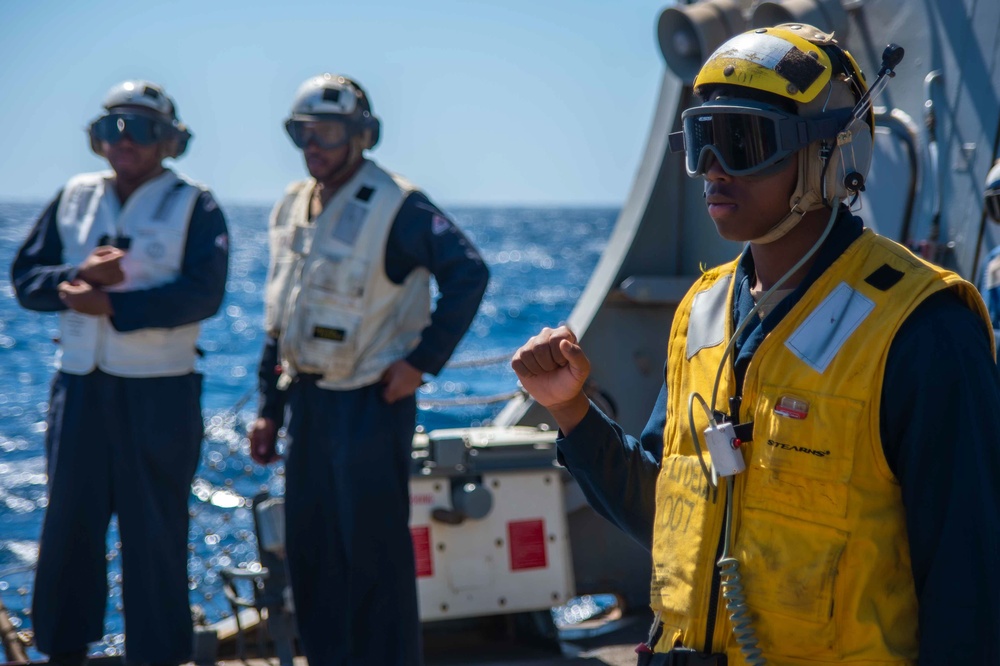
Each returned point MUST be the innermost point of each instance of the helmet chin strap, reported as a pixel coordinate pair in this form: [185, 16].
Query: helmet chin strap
[786, 224]
[804, 199]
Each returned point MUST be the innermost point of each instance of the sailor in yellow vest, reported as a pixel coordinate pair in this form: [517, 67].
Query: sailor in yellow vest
[132, 259]
[350, 334]
[817, 483]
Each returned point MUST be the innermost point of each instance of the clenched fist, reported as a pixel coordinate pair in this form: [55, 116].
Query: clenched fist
[553, 369]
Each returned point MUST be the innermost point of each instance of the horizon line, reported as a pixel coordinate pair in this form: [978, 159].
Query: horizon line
[42, 200]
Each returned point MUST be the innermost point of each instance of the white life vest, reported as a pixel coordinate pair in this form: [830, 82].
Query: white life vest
[155, 217]
[328, 300]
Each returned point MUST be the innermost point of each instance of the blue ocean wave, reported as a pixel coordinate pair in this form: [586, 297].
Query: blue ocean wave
[539, 258]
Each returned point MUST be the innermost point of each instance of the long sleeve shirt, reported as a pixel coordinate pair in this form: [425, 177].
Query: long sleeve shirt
[195, 295]
[940, 430]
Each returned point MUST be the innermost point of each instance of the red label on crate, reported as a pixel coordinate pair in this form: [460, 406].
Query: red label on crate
[423, 499]
[422, 551]
[527, 544]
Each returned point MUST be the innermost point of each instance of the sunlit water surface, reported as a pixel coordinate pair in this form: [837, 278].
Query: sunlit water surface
[539, 258]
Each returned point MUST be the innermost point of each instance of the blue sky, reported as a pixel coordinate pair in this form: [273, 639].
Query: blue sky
[508, 101]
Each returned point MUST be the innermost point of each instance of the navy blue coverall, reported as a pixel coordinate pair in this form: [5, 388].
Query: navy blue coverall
[347, 500]
[128, 446]
[940, 427]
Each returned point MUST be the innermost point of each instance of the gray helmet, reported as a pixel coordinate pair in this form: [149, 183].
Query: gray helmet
[147, 99]
[142, 94]
[991, 192]
[332, 96]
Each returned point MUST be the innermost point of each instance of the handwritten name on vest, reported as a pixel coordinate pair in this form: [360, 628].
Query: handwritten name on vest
[677, 508]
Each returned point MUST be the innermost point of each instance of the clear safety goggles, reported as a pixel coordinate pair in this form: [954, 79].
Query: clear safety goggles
[141, 129]
[749, 137]
[993, 204]
[327, 134]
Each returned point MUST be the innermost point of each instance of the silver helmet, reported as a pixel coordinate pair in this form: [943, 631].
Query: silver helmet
[333, 97]
[151, 101]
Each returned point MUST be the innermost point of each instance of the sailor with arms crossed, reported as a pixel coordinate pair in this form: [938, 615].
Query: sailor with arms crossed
[350, 334]
[132, 260]
[817, 481]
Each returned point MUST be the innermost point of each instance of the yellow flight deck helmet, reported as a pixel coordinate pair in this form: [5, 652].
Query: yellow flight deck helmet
[770, 93]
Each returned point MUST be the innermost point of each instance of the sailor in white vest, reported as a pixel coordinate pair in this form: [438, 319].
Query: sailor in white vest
[350, 333]
[132, 259]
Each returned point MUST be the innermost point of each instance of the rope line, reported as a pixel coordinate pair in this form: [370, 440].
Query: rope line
[468, 400]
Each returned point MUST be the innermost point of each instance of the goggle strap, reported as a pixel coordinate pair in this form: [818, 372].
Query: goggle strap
[801, 132]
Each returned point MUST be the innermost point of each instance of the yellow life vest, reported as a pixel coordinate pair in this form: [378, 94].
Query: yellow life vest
[819, 526]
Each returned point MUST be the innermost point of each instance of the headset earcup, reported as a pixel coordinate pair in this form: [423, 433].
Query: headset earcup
[375, 127]
[182, 137]
[849, 163]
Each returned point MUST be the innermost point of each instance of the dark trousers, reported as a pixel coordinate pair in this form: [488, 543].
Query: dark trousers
[347, 512]
[130, 447]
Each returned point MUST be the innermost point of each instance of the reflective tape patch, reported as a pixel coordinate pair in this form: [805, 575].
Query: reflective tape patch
[707, 326]
[784, 59]
[349, 225]
[828, 327]
[439, 225]
[760, 48]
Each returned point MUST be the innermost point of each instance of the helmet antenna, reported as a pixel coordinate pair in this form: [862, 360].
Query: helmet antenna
[891, 57]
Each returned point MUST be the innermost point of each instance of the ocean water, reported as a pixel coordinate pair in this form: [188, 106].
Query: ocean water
[539, 259]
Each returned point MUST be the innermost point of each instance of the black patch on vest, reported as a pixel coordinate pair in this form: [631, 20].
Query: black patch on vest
[334, 334]
[884, 277]
[365, 193]
[799, 69]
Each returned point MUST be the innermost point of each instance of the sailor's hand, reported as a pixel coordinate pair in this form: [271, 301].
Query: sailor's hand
[102, 267]
[401, 380]
[82, 297]
[553, 369]
[264, 440]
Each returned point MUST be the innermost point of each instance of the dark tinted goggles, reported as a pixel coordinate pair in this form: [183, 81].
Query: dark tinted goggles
[327, 134]
[993, 204]
[748, 138]
[141, 129]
